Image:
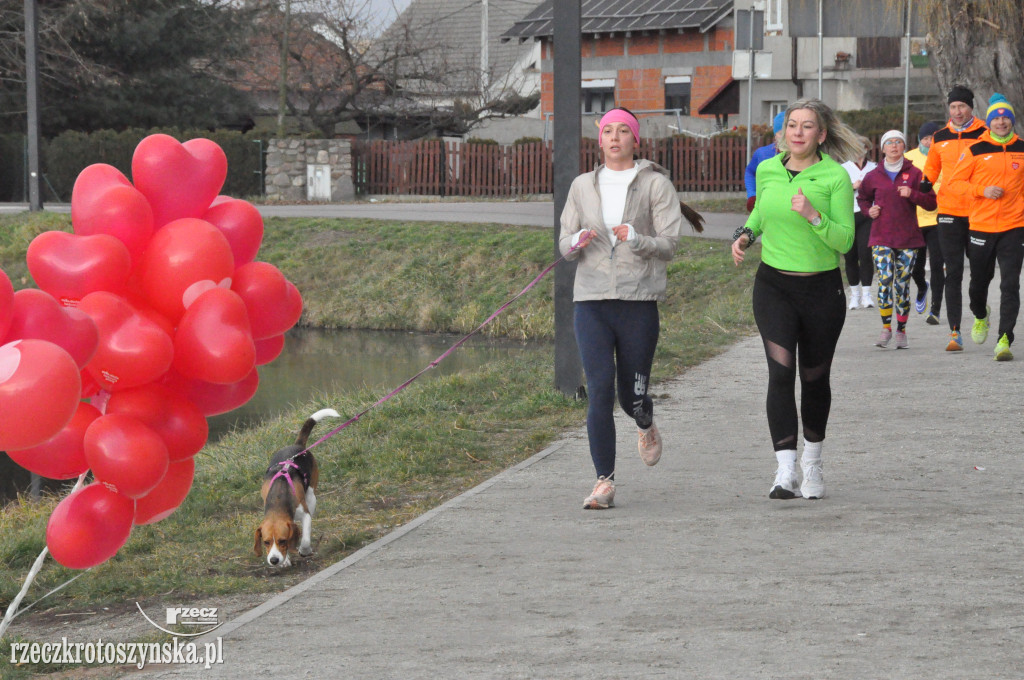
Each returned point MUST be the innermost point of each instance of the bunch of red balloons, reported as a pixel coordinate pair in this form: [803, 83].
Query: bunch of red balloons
[150, 317]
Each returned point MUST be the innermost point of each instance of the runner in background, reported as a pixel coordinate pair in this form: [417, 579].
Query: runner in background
[761, 154]
[927, 221]
[962, 130]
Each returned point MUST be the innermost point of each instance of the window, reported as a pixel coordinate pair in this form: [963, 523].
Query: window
[773, 15]
[597, 96]
[775, 108]
[677, 94]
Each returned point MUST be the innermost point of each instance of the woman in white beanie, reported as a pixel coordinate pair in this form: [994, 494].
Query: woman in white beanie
[890, 195]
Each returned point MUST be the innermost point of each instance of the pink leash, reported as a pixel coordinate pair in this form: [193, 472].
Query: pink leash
[441, 358]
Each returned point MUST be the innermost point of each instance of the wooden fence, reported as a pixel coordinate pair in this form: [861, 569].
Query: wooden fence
[438, 168]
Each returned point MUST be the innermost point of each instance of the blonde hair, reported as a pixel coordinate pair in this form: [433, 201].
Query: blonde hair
[842, 143]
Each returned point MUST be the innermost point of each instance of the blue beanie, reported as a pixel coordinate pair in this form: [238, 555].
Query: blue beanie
[778, 121]
[998, 106]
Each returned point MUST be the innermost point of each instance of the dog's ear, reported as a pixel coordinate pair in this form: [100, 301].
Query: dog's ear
[258, 546]
[294, 535]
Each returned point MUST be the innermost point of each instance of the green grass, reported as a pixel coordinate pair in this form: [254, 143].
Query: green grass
[432, 442]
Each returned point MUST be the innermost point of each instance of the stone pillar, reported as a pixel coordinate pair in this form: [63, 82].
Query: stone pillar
[287, 159]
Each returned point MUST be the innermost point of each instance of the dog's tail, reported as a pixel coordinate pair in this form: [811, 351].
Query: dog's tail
[307, 427]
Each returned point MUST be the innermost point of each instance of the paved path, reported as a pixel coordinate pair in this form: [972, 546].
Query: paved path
[910, 568]
[526, 213]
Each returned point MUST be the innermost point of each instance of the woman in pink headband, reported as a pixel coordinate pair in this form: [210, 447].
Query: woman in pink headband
[621, 223]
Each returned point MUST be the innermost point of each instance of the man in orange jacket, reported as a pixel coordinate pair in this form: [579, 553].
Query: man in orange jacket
[991, 173]
[962, 130]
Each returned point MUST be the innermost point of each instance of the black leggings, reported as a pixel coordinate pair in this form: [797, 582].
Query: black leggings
[616, 339]
[800, 319]
[953, 238]
[859, 265]
[984, 251]
[938, 279]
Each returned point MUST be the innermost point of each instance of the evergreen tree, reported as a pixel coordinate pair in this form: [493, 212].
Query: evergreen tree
[125, 63]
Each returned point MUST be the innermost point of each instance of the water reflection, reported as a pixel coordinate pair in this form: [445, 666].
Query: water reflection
[316, 361]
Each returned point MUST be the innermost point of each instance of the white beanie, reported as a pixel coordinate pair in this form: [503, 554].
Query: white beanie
[893, 134]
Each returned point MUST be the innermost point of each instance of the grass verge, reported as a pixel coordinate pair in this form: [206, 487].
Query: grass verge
[432, 442]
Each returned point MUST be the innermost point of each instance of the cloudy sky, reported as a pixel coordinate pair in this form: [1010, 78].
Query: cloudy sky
[387, 10]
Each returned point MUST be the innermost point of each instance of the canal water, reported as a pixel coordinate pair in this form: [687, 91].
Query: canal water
[318, 361]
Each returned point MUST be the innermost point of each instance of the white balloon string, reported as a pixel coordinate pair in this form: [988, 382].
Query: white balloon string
[12, 610]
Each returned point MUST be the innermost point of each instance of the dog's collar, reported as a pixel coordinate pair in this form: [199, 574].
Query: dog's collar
[285, 466]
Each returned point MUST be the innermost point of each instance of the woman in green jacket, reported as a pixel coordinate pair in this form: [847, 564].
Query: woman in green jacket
[804, 214]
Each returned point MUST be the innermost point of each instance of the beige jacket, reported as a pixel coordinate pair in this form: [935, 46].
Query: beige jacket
[626, 270]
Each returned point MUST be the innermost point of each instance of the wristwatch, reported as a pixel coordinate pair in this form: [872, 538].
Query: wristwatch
[816, 222]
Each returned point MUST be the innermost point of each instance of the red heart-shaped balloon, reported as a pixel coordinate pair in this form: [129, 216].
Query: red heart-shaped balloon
[69, 267]
[38, 316]
[125, 454]
[166, 496]
[273, 302]
[89, 526]
[39, 392]
[6, 304]
[63, 455]
[269, 349]
[179, 180]
[184, 253]
[213, 341]
[213, 399]
[132, 350]
[178, 421]
[103, 201]
[241, 223]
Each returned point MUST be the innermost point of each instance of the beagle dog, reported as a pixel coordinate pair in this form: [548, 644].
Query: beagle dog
[289, 498]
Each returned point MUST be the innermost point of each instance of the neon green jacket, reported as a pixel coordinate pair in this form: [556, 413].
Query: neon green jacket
[788, 241]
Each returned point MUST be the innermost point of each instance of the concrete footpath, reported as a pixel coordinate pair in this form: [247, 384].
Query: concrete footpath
[911, 567]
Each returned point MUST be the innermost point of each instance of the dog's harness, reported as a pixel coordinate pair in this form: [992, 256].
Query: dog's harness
[285, 466]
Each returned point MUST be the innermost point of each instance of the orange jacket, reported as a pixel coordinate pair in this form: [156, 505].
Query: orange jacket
[947, 145]
[988, 163]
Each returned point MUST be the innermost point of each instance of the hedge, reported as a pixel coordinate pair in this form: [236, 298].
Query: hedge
[65, 155]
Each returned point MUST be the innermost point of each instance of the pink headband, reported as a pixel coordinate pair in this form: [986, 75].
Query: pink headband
[620, 116]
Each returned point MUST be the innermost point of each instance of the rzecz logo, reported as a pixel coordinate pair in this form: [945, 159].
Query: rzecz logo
[201, 619]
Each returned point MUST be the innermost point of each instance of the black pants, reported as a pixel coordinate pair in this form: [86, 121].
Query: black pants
[616, 339]
[984, 250]
[859, 267]
[800, 319]
[938, 278]
[953, 235]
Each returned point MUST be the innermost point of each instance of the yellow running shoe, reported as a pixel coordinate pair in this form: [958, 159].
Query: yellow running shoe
[1003, 352]
[979, 331]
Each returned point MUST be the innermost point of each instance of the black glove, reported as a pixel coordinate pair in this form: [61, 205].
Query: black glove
[925, 186]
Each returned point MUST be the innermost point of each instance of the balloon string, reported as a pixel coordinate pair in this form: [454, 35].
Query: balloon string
[13, 611]
[447, 352]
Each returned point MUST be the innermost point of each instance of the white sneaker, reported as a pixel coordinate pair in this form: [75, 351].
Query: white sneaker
[865, 299]
[813, 485]
[786, 484]
[854, 297]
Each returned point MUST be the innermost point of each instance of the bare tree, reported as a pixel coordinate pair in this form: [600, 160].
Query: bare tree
[977, 43]
[343, 67]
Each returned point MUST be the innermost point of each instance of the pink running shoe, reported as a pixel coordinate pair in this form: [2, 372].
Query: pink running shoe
[650, 444]
[602, 497]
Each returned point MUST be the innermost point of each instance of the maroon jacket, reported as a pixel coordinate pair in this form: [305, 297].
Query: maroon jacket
[896, 226]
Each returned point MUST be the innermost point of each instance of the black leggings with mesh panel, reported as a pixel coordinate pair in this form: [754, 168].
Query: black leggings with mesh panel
[800, 319]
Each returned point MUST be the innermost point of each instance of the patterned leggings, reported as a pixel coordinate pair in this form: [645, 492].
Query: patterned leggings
[894, 266]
